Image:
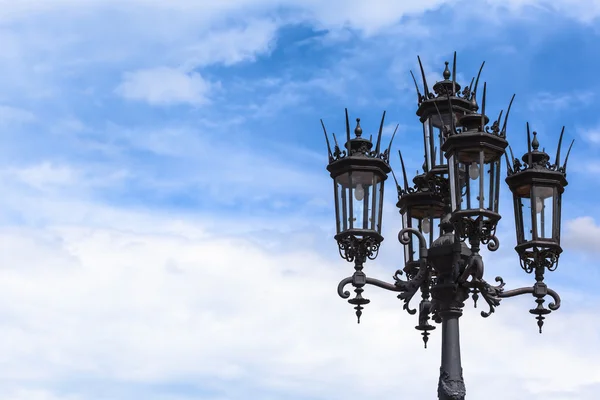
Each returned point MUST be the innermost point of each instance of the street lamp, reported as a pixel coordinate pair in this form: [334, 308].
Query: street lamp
[456, 199]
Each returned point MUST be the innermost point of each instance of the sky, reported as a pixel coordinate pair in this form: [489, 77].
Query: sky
[167, 222]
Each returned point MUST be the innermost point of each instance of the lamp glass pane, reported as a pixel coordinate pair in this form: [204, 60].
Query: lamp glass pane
[543, 204]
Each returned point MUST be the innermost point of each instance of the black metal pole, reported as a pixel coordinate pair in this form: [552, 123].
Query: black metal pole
[451, 385]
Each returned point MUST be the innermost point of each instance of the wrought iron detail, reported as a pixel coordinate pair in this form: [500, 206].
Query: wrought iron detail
[353, 248]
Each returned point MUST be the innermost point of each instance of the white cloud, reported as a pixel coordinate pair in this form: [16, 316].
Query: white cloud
[106, 303]
[165, 86]
[560, 101]
[12, 115]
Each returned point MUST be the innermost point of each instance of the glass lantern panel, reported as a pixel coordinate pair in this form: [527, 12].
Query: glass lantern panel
[455, 190]
[414, 240]
[525, 214]
[375, 204]
[557, 209]
[493, 182]
[475, 180]
[543, 203]
[361, 182]
[341, 201]
[433, 138]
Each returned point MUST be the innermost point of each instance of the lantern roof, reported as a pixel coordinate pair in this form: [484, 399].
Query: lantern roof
[535, 165]
[475, 131]
[358, 151]
[425, 198]
[448, 88]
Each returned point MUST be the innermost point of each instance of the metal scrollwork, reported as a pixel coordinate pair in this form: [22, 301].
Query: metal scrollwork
[491, 294]
[352, 248]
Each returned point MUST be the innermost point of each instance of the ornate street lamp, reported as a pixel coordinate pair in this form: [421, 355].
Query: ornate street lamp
[358, 173]
[456, 197]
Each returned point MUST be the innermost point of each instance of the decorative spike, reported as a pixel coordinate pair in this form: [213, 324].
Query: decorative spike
[347, 132]
[380, 132]
[371, 138]
[557, 161]
[454, 75]
[395, 180]
[483, 106]
[425, 337]
[471, 84]
[503, 131]
[529, 161]
[425, 88]
[438, 111]
[474, 91]
[392, 139]
[419, 95]
[567, 157]
[512, 155]
[327, 140]
[508, 167]
[403, 171]
[500, 116]
[452, 124]
[358, 130]
[335, 140]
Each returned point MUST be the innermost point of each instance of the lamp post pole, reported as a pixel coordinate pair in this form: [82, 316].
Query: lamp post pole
[447, 213]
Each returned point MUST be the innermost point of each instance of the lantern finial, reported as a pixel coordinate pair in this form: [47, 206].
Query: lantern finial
[358, 130]
[446, 71]
[534, 143]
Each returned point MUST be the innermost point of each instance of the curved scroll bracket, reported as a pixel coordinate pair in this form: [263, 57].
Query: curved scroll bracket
[539, 290]
[404, 238]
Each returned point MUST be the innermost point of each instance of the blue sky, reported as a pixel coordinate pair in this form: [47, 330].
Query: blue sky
[166, 218]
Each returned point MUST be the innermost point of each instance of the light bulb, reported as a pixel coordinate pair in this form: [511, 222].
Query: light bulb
[474, 170]
[426, 225]
[539, 205]
[359, 192]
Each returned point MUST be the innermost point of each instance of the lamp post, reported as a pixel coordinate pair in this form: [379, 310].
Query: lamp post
[449, 211]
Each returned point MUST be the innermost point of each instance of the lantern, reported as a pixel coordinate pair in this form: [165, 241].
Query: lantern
[421, 206]
[358, 173]
[474, 155]
[537, 188]
[439, 111]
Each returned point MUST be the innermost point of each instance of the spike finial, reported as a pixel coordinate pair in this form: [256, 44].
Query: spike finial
[392, 140]
[529, 160]
[503, 131]
[419, 95]
[403, 171]
[483, 106]
[564, 168]
[327, 140]
[425, 88]
[454, 75]
[377, 146]
[557, 161]
[347, 132]
[474, 91]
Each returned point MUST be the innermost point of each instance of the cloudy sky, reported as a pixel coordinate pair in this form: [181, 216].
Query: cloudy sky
[166, 218]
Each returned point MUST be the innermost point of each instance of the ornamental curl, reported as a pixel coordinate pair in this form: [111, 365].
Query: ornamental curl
[352, 248]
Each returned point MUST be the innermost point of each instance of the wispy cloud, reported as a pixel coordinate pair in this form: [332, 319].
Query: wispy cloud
[165, 86]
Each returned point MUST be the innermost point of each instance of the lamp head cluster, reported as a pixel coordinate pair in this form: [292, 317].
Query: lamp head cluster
[453, 202]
